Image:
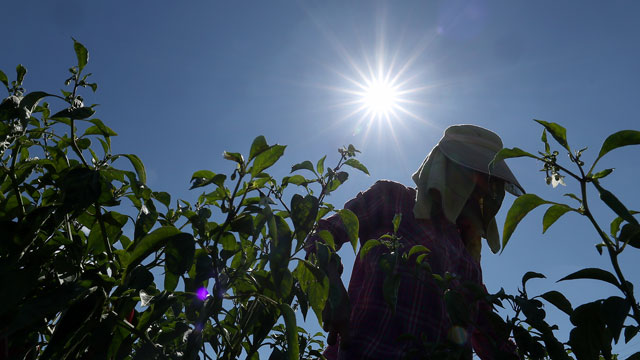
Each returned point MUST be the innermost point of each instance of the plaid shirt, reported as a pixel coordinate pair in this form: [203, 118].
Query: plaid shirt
[420, 310]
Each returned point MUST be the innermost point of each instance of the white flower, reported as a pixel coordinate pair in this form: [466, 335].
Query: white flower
[557, 179]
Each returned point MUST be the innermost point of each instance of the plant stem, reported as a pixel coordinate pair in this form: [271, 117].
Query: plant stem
[613, 254]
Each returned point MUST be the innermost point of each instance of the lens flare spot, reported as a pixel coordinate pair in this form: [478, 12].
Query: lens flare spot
[458, 335]
[202, 293]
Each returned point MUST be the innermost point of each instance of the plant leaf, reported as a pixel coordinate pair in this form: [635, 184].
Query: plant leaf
[21, 71]
[30, 101]
[303, 165]
[81, 53]
[293, 351]
[593, 273]
[558, 300]
[137, 165]
[614, 204]
[510, 153]
[357, 165]
[558, 132]
[258, 146]
[99, 128]
[601, 174]
[520, 208]
[4, 79]
[351, 224]
[553, 213]
[370, 244]
[617, 140]
[531, 275]
[267, 158]
[417, 249]
[303, 214]
[320, 165]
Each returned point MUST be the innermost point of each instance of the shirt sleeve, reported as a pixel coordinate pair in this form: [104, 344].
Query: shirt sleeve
[374, 209]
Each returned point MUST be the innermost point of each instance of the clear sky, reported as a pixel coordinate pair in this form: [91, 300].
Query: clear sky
[183, 81]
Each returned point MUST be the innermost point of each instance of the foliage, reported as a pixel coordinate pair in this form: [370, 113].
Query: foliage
[85, 277]
[597, 324]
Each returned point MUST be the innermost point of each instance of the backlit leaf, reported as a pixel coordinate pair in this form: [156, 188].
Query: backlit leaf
[531, 275]
[552, 214]
[520, 208]
[593, 273]
[558, 300]
[350, 221]
[357, 165]
[258, 146]
[370, 244]
[558, 132]
[617, 140]
[267, 158]
[614, 204]
[307, 165]
[81, 53]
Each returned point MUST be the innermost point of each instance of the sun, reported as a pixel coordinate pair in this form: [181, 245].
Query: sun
[380, 98]
[379, 92]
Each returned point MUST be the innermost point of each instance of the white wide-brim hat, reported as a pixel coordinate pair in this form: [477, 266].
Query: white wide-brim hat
[475, 147]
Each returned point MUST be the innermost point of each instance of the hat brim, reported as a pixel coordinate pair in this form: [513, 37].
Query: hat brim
[478, 158]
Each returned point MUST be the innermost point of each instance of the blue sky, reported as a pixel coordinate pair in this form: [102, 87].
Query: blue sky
[183, 81]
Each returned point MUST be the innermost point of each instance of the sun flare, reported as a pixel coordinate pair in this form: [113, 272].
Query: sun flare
[380, 97]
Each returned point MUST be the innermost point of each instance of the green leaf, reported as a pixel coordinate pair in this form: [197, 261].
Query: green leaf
[614, 204]
[320, 165]
[307, 165]
[293, 351]
[547, 149]
[593, 273]
[315, 285]
[75, 113]
[630, 234]
[558, 300]
[267, 158]
[303, 214]
[351, 224]
[30, 101]
[510, 153]
[558, 132]
[630, 332]
[327, 237]
[601, 174]
[357, 165]
[617, 140]
[370, 244]
[155, 240]
[520, 208]
[170, 279]
[417, 249]
[233, 156]
[202, 178]
[258, 146]
[99, 128]
[553, 213]
[531, 275]
[81, 53]
[137, 165]
[397, 218]
[457, 308]
[4, 79]
[21, 71]
[295, 179]
[163, 197]
[614, 311]
[179, 254]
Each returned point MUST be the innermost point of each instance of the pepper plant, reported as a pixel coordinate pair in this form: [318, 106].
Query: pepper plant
[218, 277]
